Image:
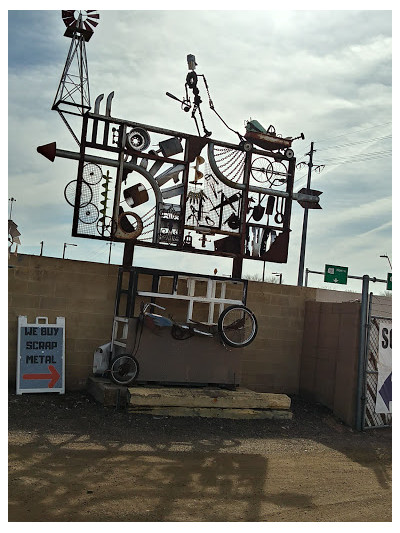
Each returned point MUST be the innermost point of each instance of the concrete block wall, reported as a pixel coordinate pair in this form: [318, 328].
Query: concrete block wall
[84, 293]
[329, 361]
[80, 291]
[272, 362]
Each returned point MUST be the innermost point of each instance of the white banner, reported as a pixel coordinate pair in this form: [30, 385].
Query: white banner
[384, 389]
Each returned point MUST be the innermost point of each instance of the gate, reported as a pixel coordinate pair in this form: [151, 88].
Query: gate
[371, 419]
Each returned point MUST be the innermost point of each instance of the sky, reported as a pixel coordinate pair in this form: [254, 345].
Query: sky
[326, 73]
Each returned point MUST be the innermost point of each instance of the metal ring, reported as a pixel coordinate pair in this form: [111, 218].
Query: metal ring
[122, 234]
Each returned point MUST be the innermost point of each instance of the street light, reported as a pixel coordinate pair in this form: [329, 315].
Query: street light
[387, 257]
[65, 245]
[280, 276]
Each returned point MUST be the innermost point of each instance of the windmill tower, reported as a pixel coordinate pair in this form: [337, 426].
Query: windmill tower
[73, 91]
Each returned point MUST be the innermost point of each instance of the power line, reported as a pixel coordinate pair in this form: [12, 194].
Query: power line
[354, 132]
[375, 139]
[358, 158]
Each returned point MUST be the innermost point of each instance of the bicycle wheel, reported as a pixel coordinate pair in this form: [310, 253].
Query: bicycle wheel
[237, 326]
[124, 369]
[261, 169]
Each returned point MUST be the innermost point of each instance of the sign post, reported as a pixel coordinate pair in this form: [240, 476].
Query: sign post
[41, 356]
[336, 274]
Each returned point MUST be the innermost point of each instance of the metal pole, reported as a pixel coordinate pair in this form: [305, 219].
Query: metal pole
[364, 403]
[306, 278]
[12, 200]
[374, 279]
[65, 245]
[263, 270]
[109, 253]
[305, 222]
[41, 248]
[362, 350]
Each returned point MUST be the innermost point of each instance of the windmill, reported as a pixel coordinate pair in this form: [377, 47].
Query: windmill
[73, 91]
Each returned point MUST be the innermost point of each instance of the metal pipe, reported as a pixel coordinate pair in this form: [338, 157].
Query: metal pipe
[362, 351]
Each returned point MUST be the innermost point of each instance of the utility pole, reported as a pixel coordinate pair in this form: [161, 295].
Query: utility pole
[109, 253]
[305, 219]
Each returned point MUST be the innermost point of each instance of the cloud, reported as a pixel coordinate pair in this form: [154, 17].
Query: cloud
[326, 73]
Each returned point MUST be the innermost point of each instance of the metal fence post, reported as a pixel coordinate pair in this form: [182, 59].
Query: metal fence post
[361, 353]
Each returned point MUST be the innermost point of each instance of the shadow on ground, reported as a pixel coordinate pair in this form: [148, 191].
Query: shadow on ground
[71, 459]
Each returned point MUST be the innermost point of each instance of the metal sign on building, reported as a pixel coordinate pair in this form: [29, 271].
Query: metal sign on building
[41, 356]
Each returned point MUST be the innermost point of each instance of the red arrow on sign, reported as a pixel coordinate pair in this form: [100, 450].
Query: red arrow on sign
[53, 376]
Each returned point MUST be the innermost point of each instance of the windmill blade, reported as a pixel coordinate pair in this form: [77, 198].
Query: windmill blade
[90, 24]
[68, 17]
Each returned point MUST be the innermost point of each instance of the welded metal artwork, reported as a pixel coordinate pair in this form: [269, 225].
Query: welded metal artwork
[161, 188]
[237, 202]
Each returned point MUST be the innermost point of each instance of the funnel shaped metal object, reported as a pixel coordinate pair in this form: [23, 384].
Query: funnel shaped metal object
[48, 150]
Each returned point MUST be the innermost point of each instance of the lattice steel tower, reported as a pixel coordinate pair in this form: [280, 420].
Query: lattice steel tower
[73, 91]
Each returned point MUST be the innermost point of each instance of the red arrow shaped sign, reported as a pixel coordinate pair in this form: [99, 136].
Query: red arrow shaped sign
[53, 376]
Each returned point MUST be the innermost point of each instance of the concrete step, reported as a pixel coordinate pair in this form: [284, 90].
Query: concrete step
[214, 412]
[208, 402]
[106, 392]
[206, 397]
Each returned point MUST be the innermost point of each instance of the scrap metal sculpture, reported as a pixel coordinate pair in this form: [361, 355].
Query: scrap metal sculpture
[236, 197]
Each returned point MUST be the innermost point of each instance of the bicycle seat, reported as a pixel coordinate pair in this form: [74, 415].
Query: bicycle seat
[153, 320]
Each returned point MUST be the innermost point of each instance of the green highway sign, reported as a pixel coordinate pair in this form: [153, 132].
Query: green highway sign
[336, 274]
[389, 282]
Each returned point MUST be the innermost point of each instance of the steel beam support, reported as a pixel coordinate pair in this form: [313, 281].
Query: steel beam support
[362, 352]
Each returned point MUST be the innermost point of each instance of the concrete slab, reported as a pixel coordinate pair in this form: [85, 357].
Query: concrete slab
[214, 412]
[106, 392]
[206, 397]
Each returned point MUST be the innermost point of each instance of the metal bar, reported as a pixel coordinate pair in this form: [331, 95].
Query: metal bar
[66, 154]
[362, 351]
[164, 131]
[374, 280]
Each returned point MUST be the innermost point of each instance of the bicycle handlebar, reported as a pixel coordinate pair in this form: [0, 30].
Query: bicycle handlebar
[146, 306]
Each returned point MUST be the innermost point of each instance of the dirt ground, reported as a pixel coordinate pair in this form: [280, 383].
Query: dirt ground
[73, 460]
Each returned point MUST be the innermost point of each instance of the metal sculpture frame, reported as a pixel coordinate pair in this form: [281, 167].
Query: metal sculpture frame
[127, 160]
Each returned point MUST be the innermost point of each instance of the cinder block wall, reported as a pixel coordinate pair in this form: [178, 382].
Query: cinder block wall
[84, 293]
[272, 362]
[80, 291]
[329, 361]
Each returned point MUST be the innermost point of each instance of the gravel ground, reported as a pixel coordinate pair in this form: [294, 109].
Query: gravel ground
[71, 459]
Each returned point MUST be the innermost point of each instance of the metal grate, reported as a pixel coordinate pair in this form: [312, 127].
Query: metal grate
[372, 419]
